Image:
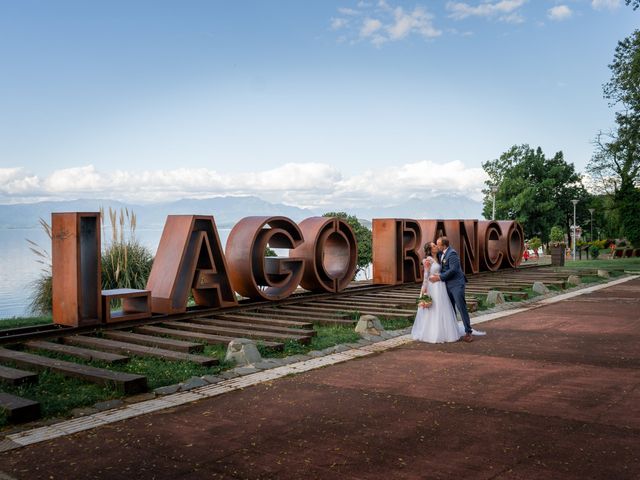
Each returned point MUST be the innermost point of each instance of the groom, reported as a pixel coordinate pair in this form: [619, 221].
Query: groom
[453, 277]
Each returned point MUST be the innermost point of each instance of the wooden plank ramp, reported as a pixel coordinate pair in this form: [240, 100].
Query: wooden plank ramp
[202, 337]
[13, 376]
[140, 350]
[18, 409]
[128, 383]
[153, 341]
[78, 352]
[236, 332]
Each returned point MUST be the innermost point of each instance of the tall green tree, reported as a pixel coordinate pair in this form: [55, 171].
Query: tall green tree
[363, 237]
[615, 164]
[535, 190]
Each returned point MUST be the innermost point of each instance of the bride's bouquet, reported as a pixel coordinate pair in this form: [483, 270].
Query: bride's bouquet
[424, 301]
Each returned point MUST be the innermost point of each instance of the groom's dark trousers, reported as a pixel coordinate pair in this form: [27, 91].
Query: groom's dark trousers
[454, 278]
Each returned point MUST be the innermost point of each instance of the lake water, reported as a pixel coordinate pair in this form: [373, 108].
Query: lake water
[19, 267]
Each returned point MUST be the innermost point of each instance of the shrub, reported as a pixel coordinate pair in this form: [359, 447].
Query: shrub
[41, 298]
[535, 243]
[594, 251]
[556, 235]
[125, 262]
[601, 244]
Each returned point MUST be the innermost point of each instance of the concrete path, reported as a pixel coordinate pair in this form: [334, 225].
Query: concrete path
[548, 393]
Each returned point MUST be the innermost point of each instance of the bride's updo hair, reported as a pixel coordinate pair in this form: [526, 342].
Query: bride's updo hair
[427, 249]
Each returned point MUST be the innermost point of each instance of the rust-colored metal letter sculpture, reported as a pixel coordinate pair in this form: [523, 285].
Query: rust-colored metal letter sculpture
[189, 258]
[252, 274]
[395, 251]
[330, 254]
[514, 235]
[493, 245]
[76, 268]
[462, 234]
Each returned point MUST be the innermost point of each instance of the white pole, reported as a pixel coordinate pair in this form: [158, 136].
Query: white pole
[575, 202]
[494, 190]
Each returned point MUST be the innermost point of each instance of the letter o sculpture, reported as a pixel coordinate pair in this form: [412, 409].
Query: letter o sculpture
[330, 254]
[252, 274]
[512, 231]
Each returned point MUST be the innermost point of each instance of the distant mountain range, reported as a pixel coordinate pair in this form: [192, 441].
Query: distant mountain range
[228, 210]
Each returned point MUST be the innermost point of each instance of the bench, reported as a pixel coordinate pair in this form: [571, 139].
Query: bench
[136, 304]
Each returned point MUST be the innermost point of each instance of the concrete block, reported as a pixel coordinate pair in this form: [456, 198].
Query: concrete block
[108, 405]
[193, 382]
[574, 279]
[603, 273]
[540, 288]
[495, 297]
[370, 325]
[243, 351]
[168, 390]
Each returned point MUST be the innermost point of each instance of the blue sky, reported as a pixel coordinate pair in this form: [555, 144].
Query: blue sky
[312, 103]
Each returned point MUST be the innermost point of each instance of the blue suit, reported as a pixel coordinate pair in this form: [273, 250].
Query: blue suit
[454, 278]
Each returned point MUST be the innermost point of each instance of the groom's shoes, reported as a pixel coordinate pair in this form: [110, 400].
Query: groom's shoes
[467, 338]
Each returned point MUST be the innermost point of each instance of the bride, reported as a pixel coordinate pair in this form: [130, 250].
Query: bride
[436, 324]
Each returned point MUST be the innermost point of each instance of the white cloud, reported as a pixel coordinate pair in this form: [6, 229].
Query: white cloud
[348, 11]
[559, 13]
[605, 4]
[504, 10]
[419, 21]
[369, 26]
[383, 23]
[14, 181]
[302, 184]
[338, 23]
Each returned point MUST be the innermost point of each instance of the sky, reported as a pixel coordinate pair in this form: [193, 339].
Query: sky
[309, 103]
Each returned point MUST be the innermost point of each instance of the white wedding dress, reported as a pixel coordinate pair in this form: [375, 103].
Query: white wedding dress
[436, 324]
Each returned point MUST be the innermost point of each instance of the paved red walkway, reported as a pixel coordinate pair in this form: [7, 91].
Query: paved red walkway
[550, 393]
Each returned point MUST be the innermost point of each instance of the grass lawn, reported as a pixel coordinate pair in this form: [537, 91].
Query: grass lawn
[616, 266]
[17, 322]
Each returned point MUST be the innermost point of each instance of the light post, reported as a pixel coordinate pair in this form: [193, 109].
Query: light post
[494, 190]
[575, 202]
[591, 210]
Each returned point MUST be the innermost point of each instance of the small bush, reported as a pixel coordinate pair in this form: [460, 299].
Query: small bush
[125, 262]
[594, 251]
[556, 235]
[41, 298]
[534, 244]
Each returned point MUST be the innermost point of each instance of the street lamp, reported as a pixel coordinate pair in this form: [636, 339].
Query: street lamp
[494, 190]
[591, 210]
[575, 202]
